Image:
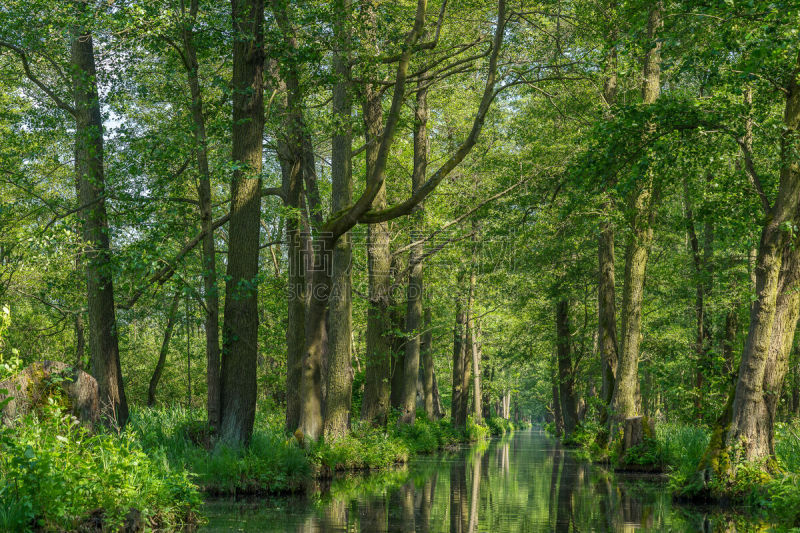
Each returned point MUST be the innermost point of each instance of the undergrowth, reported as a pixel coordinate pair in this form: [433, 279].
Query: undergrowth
[55, 475]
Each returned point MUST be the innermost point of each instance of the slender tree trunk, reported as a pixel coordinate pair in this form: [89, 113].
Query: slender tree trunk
[566, 379]
[240, 327]
[339, 378]
[702, 265]
[296, 156]
[426, 350]
[624, 403]
[311, 377]
[398, 356]
[466, 355]
[80, 340]
[477, 396]
[162, 354]
[438, 412]
[210, 289]
[729, 340]
[415, 277]
[458, 415]
[103, 339]
[558, 417]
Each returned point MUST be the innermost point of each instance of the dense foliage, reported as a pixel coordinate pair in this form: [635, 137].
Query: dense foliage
[294, 237]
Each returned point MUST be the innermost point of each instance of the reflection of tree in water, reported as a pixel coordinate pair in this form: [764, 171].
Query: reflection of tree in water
[425, 497]
[529, 484]
[372, 514]
[459, 498]
[566, 488]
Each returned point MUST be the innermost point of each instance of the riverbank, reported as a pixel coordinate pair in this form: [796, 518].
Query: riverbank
[676, 451]
[55, 475]
[525, 482]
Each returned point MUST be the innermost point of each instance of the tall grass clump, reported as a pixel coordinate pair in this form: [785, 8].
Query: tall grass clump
[271, 462]
[680, 448]
[57, 475]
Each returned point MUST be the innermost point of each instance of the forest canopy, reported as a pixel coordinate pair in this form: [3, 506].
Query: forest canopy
[361, 213]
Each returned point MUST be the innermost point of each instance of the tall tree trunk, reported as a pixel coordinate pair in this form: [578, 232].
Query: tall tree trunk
[240, 326]
[426, 351]
[375, 404]
[458, 415]
[477, 397]
[162, 354]
[606, 288]
[566, 379]
[787, 311]
[80, 340]
[103, 339]
[296, 156]
[701, 260]
[558, 417]
[398, 357]
[339, 378]
[210, 289]
[438, 412]
[641, 202]
[773, 313]
[415, 277]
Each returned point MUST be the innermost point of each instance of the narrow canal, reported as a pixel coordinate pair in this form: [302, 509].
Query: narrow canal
[523, 483]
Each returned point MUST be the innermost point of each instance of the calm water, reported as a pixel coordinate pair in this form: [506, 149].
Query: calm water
[525, 483]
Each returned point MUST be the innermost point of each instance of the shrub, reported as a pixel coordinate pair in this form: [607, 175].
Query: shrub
[499, 426]
[54, 474]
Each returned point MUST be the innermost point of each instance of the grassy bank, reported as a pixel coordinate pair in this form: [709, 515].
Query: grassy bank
[677, 449]
[55, 475]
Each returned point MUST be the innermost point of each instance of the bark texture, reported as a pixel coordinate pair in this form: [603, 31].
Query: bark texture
[426, 352]
[339, 377]
[459, 415]
[641, 206]
[415, 276]
[375, 403]
[103, 339]
[210, 290]
[566, 386]
[240, 326]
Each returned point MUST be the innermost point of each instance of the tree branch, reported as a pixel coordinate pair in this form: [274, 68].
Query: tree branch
[26, 66]
[371, 217]
[168, 269]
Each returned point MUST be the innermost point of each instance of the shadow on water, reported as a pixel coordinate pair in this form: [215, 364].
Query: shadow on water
[522, 483]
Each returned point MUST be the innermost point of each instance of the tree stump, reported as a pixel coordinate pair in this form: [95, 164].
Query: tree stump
[31, 388]
[637, 449]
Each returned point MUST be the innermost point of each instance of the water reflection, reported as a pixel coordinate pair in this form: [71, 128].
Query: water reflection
[525, 483]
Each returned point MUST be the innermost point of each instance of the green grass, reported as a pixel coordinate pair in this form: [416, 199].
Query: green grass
[55, 475]
[273, 461]
[680, 448]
